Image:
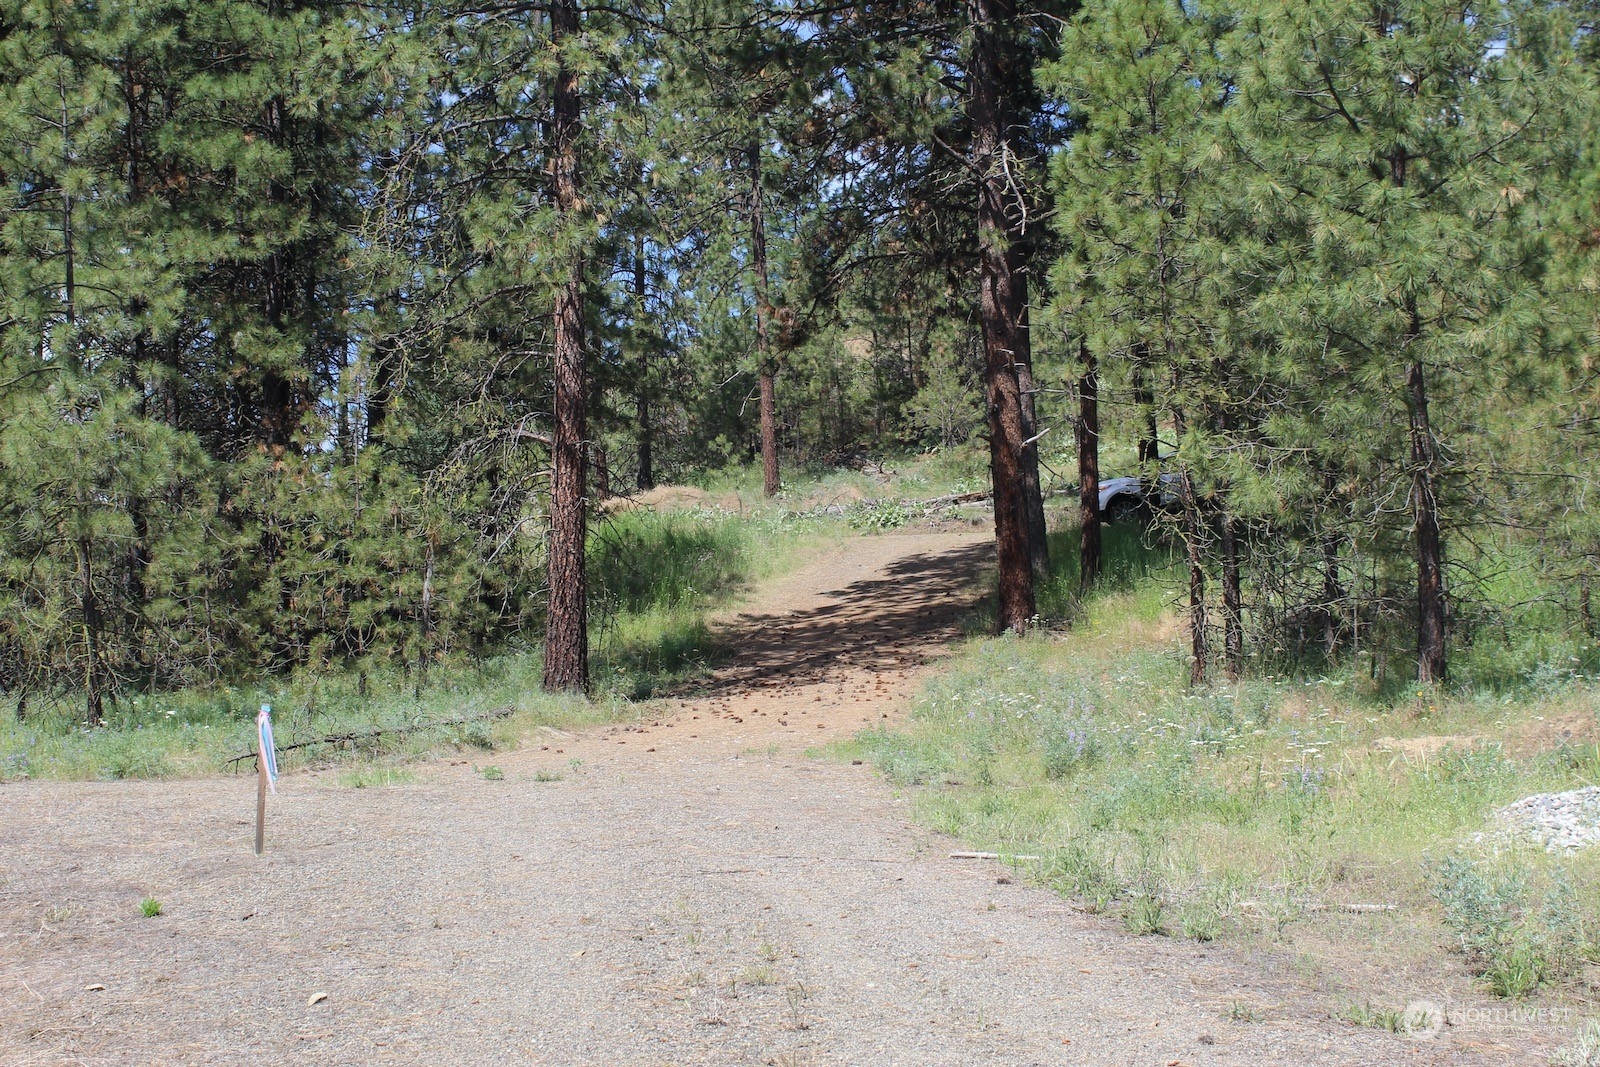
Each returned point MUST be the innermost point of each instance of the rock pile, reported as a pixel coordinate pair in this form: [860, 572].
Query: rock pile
[1557, 821]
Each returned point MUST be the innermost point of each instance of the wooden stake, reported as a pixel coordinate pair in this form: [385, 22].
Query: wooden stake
[261, 801]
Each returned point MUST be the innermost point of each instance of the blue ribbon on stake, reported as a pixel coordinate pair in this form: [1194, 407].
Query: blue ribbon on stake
[266, 771]
[267, 749]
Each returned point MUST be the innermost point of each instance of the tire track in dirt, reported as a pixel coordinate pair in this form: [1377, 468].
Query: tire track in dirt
[721, 899]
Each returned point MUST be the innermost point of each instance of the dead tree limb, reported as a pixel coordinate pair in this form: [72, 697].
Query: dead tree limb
[368, 735]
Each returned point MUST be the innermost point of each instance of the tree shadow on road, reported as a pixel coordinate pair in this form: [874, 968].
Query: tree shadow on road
[881, 622]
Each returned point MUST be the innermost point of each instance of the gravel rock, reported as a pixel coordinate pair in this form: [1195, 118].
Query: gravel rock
[1558, 821]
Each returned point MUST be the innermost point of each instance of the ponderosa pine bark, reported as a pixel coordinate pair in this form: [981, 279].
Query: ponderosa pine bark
[1232, 588]
[385, 366]
[766, 368]
[1144, 399]
[644, 439]
[276, 400]
[1088, 471]
[94, 680]
[69, 292]
[1332, 594]
[1149, 445]
[1189, 501]
[1001, 314]
[566, 648]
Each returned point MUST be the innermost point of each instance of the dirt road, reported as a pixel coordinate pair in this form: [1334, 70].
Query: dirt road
[695, 890]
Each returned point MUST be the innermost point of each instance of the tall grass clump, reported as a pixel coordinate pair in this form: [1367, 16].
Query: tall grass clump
[655, 574]
[1131, 560]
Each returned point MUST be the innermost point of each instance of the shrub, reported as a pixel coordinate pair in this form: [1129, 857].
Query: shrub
[1513, 941]
[1068, 746]
[879, 515]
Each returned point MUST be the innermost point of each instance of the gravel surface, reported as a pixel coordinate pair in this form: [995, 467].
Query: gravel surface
[1558, 821]
[692, 889]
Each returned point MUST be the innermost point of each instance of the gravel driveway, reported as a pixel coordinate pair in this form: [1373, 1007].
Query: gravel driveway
[694, 889]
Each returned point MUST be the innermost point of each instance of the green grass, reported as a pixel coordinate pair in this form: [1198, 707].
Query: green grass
[149, 907]
[1128, 564]
[1365, 1014]
[197, 731]
[657, 574]
[1256, 809]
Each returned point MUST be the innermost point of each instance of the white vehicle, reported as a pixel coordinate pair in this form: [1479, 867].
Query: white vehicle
[1121, 498]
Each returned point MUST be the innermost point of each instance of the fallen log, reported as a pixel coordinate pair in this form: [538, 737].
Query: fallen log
[954, 498]
[368, 735]
[1356, 908]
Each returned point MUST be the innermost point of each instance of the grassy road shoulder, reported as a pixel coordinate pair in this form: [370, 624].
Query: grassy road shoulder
[1347, 826]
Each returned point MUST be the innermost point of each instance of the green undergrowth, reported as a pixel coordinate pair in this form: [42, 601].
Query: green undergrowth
[1147, 574]
[1315, 810]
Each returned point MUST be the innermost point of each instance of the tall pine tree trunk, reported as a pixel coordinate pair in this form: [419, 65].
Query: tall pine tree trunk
[93, 632]
[644, 437]
[1193, 529]
[566, 648]
[276, 403]
[1232, 591]
[766, 367]
[1232, 596]
[1424, 504]
[602, 473]
[1425, 517]
[1001, 312]
[380, 390]
[1198, 653]
[1144, 399]
[138, 557]
[1032, 489]
[1332, 594]
[1088, 471]
[69, 291]
[644, 431]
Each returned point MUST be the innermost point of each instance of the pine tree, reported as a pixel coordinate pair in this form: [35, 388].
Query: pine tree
[1386, 149]
[566, 655]
[1132, 196]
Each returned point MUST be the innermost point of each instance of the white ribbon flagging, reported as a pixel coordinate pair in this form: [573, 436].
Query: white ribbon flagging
[268, 753]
